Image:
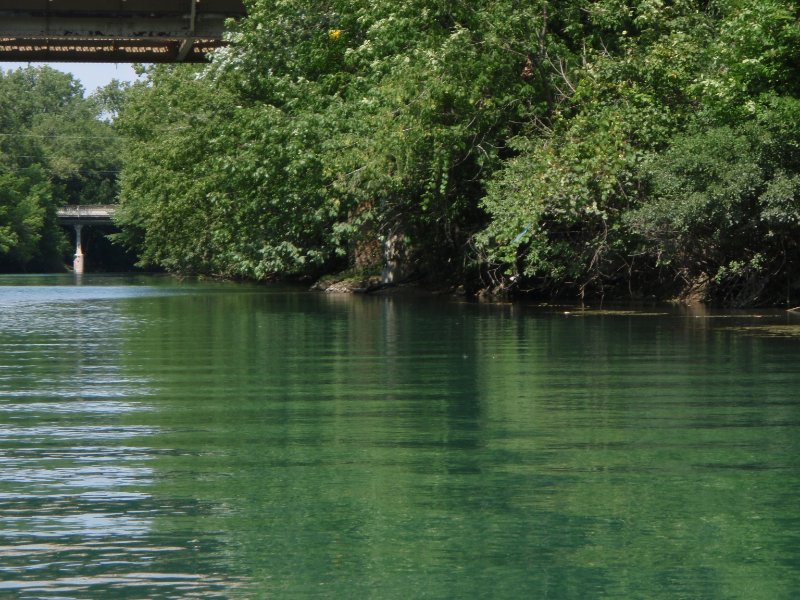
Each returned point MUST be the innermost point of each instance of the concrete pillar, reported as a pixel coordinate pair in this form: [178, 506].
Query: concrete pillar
[77, 264]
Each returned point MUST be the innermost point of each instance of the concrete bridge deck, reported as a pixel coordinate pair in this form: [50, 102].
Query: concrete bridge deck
[86, 214]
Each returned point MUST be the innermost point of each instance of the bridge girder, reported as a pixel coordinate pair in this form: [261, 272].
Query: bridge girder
[147, 31]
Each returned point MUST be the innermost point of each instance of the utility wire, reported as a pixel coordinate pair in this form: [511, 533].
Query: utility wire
[57, 135]
[52, 171]
[80, 137]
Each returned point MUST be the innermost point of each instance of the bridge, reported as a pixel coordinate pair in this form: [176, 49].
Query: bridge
[79, 215]
[116, 31]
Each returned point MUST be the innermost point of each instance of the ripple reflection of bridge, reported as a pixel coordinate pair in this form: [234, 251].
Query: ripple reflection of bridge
[79, 215]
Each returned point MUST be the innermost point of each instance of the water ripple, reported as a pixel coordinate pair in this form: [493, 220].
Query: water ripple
[100, 432]
[80, 408]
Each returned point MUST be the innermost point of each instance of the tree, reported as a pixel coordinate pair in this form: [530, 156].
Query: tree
[649, 176]
[526, 146]
[54, 150]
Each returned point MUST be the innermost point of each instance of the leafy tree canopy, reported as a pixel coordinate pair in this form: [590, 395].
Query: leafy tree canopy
[54, 150]
[573, 147]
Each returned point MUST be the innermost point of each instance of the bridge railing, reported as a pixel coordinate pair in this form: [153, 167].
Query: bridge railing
[87, 210]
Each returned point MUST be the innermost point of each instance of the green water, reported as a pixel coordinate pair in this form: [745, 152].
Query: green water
[182, 440]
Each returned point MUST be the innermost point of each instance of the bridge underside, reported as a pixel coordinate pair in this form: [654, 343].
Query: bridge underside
[119, 31]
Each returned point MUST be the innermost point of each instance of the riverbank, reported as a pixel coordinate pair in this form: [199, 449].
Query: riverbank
[354, 282]
[359, 283]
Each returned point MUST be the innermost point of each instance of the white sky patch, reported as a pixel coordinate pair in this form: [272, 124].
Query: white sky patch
[91, 75]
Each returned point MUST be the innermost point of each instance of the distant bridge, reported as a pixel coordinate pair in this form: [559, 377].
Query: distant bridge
[79, 215]
[117, 31]
[86, 214]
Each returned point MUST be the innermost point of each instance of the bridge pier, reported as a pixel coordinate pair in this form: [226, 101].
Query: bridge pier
[77, 263]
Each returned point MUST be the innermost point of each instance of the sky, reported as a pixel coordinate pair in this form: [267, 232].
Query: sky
[91, 75]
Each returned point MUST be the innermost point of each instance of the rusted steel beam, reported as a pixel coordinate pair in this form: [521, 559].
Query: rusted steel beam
[235, 8]
[126, 26]
[104, 50]
[113, 30]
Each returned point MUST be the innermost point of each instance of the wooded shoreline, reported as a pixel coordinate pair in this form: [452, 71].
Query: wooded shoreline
[577, 150]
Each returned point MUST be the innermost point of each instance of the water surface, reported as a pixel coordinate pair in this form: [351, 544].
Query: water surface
[163, 439]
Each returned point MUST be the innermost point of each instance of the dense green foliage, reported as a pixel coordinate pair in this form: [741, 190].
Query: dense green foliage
[579, 147]
[55, 149]
[651, 176]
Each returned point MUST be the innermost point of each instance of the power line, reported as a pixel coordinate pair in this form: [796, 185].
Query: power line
[52, 171]
[62, 136]
[83, 137]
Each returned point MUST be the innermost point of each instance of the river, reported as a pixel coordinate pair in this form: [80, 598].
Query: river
[167, 439]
